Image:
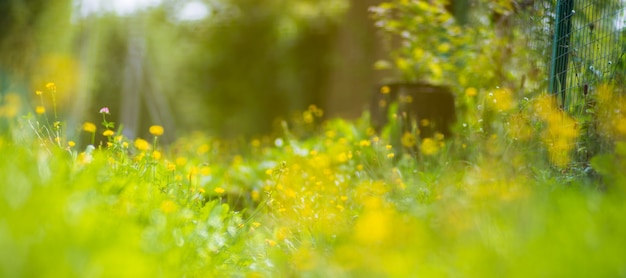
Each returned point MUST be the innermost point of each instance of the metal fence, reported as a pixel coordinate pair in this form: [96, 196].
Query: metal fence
[589, 41]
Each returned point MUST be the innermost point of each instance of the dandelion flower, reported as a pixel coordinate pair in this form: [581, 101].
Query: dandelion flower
[142, 145]
[89, 127]
[40, 109]
[108, 133]
[429, 146]
[219, 190]
[156, 130]
[156, 155]
[408, 140]
[71, 143]
[51, 86]
[471, 91]
[385, 90]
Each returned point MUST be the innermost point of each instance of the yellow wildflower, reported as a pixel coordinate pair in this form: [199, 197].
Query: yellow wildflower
[471, 91]
[40, 109]
[142, 145]
[71, 144]
[89, 127]
[156, 130]
[108, 133]
[171, 166]
[408, 140]
[219, 190]
[156, 155]
[51, 86]
[429, 146]
[385, 90]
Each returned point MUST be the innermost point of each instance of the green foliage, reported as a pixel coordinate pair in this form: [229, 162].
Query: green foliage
[321, 200]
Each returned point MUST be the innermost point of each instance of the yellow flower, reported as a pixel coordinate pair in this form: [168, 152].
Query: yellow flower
[256, 224]
[390, 155]
[38, 92]
[142, 145]
[89, 127]
[429, 146]
[471, 91]
[156, 130]
[156, 155]
[71, 143]
[171, 166]
[219, 190]
[40, 109]
[408, 140]
[385, 90]
[52, 87]
[365, 143]
[108, 133]
[307, 117]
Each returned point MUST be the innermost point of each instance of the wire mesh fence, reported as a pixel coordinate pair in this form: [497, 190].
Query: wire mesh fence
[589, 41]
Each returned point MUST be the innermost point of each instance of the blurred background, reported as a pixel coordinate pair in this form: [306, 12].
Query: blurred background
[229, 68]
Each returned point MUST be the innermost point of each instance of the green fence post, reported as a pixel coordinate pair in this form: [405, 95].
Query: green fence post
[560, 48]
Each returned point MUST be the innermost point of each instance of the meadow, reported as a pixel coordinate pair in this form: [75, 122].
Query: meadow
[507, 195]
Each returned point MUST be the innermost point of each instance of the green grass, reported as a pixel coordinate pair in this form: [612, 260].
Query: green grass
[321, 201]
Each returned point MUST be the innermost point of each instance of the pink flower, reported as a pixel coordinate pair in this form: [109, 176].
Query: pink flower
[104, 110]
